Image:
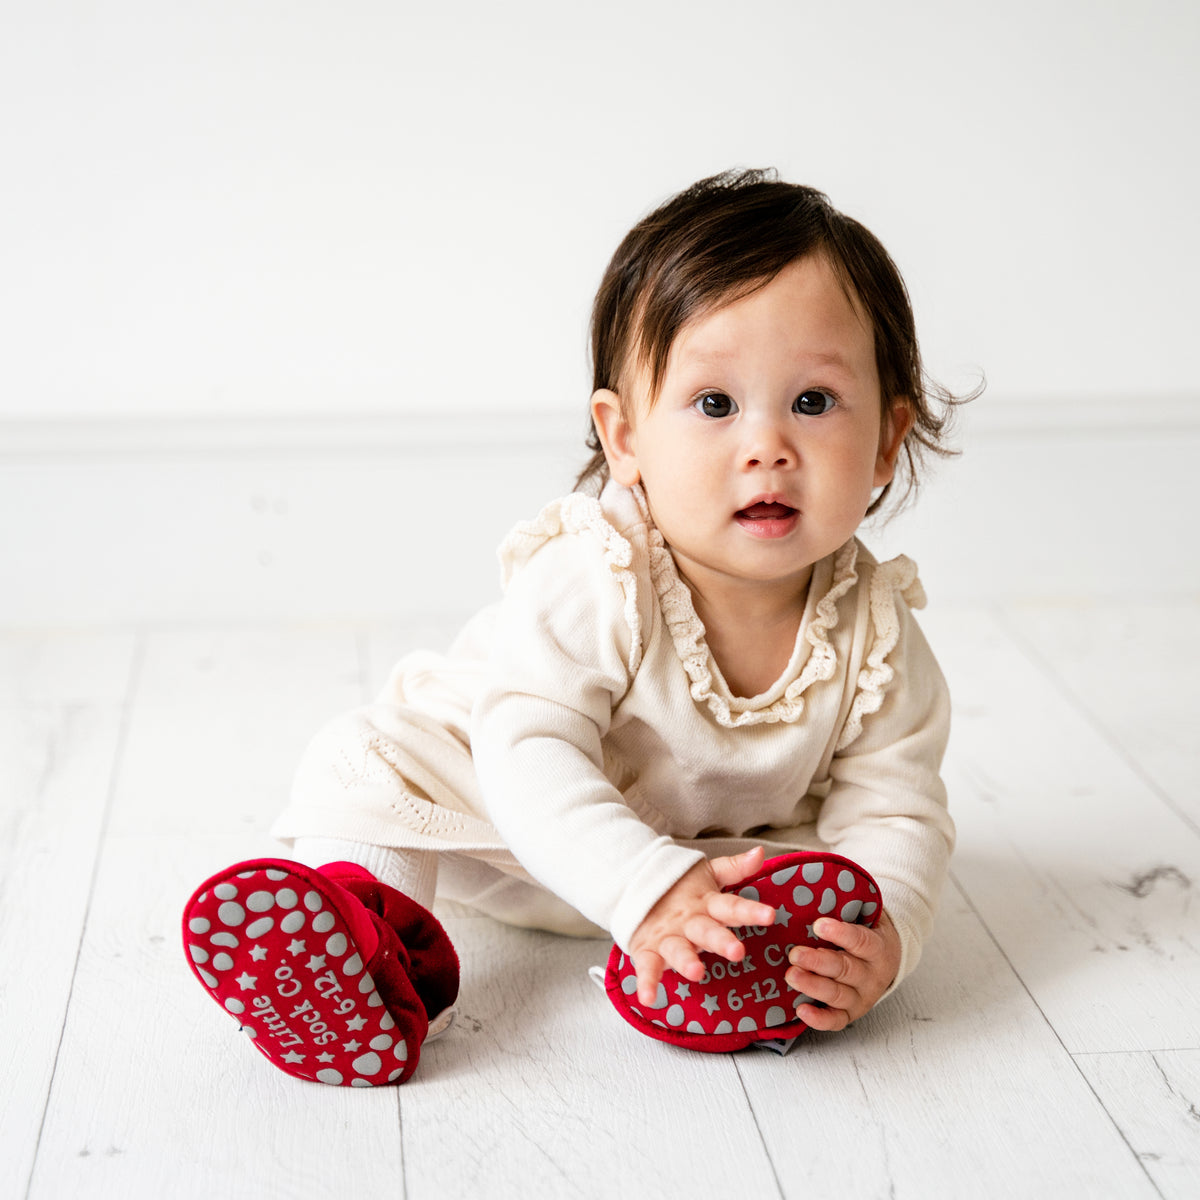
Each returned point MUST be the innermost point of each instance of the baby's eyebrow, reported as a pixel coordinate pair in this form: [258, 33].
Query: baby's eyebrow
[831, 359]
[704, 357]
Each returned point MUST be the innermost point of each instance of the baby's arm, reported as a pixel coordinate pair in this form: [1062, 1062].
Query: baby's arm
[696, 915]
[887, 808]
[563, 654]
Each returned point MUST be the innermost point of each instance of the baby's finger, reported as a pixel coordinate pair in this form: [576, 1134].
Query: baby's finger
[732, 910]
[859, 940]
[679, 954]
[737, 867]
[649, 968]
[715, 937]
[832, 964]
[828, 1020]
[820, 987]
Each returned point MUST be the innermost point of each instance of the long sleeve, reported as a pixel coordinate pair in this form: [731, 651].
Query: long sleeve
[887, 804]
[565, 650]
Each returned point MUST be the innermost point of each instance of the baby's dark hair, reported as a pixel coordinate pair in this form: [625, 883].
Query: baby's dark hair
[723, 238]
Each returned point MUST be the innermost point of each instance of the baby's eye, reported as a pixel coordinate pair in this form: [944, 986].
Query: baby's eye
[813, 403]
[715, 404]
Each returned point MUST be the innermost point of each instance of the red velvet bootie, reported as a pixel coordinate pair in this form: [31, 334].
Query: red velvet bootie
[334, 975]
[735, 1004]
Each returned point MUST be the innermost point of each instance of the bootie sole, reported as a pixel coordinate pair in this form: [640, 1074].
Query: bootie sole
[735, 1004]
[271, 945]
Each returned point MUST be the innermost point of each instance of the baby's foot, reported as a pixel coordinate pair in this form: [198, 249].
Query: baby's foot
[304, 968]
[736, 1004]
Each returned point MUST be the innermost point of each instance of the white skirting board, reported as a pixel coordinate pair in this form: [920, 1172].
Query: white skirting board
[371, 518]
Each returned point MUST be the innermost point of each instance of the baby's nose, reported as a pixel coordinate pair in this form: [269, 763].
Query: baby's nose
[769, 446]
[765, 460]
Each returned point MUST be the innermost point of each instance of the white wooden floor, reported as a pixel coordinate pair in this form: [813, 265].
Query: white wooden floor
[1049, 1045]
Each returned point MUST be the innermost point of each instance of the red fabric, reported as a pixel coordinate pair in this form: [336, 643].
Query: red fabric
[428, 957]
[322, 980]
[739, 1003]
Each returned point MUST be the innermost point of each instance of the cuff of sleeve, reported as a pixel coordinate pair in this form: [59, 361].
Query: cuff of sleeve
[910, 951]
[913, 920]
[656, 875]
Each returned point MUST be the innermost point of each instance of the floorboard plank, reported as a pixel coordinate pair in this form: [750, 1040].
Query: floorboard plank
[157, 1094]
[1082, 873]
[1130, 667]
[61, 705]
[955, 1086]
[1155, 1099]
[222, 720]
[540, 1089]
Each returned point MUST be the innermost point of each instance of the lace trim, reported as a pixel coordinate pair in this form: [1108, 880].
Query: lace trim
[578, 513]
[899, 575]
[687, 632]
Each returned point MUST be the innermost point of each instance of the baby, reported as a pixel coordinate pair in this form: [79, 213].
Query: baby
[695, 667]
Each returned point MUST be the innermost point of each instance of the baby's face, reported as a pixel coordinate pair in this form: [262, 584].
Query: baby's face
[761, 452]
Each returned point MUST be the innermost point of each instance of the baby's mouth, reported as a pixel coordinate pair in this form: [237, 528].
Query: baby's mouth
[766, 520]
[765, 512]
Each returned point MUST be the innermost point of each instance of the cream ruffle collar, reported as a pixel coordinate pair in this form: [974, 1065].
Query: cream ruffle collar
[814, 658]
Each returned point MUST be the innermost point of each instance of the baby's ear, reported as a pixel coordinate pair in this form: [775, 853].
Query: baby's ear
[616, 436]
[897, 421]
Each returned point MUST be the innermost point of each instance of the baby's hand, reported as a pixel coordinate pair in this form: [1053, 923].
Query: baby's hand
[694, 916]
[848, 981]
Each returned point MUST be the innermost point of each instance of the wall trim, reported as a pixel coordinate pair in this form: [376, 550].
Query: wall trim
[73, 438]
[1096, 415]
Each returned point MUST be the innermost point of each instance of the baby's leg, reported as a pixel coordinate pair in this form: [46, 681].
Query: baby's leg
[413, 872]
[486, 889]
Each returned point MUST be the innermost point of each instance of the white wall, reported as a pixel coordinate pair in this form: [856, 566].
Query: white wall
[221, 217]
